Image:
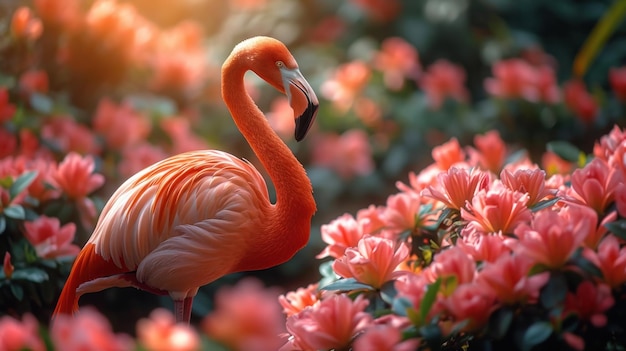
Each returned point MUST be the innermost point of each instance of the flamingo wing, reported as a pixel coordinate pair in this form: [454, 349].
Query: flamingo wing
[179, 222]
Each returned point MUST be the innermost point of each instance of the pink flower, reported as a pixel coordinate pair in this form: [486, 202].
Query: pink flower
[483, 247]
[517, 79]
[281, 117]
[448, 154]
[8, 143]
[398, 60]
[349, 155]
[402, 212]
[331, 324]
[88, 330]
[617, 79]
[620, 199]
[579, 100]
[139, 156]
[160, 332]
[295, 301]
[451, 263]
[553, 164]
[471, 302]
[120, 125]
[374, 261]
[247, 316]
[34, 81]
[609, 143]
[346, 84]
[18, 336]
[594, 184]
[527, 181]
[340, 234]
[371, 219]
[385, 337]
[60, 14]
[457, 186]
[590, 302]
[380, 10]
[508, 280]
[49, 238]
[7, 267]
[180, 132]
[552, 237]
[24, 25]
[67, 135]
[498, 209]
[611, 260]
[444, 80]
[490, 152]
[75, 176]
[7, 110]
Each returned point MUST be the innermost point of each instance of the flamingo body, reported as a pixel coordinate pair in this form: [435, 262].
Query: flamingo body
[192, 218]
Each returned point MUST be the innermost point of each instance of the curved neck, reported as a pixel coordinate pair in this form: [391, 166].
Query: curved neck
[294, 194]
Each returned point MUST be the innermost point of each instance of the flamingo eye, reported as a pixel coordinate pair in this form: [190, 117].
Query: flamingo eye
[280, 64]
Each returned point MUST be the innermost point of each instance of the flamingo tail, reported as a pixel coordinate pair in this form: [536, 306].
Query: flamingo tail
[88, 266]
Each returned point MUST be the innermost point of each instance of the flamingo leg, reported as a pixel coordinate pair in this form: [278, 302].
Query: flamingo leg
[182, 310]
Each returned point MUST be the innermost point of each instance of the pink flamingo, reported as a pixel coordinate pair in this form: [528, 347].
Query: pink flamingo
[195, 217]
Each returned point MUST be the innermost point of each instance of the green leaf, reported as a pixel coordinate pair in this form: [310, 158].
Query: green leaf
[604, 28]
[544, 204]
[31, 274]
[565, 150]
[347, 284]
[618, 228]
[17, 291]
[401, 305]
[553, 294]
[537, 333]
[3, 224]
[499, 322]
[432, 335]
[429, 299]
[15, 212]
[21, 183]
[388, 292]
[41, 103]
[579, 260]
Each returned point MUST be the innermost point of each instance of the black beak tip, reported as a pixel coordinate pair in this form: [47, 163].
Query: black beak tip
[304, 121]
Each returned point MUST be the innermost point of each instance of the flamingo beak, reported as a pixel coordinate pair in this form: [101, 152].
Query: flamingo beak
[302, 99]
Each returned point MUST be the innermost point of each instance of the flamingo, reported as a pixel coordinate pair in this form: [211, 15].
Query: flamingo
[195, 217]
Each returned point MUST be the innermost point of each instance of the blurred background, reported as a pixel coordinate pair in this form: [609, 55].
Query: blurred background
[131, 82]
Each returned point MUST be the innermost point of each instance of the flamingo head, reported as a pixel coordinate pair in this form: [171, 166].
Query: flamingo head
[273, 62]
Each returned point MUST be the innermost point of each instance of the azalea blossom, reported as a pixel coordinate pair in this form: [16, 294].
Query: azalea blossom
[87, 330]
[384, 336]
[508, 279]
[7, 109]
[398, 60]
[517, 79]
[331, 324]
[617, 79]
[594, 184]
[294, 302]
[490, 152]
[472, 303]
[246, 317]
[444, 80]
[610, 258]
[120, 124]
[346, 83]
[374, 261]
[402, 212]
[340, 234]
[160, 332]
[24, 24]
[579, 100]
[49, 238]
[552, 237]
[21, 335]
[498, 209]
[453, 262]
[457, 186]
[348, 154]
[75, 176]
[528, 181]
[590, 302]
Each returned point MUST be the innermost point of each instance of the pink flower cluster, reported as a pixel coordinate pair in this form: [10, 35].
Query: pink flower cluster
[485, 233]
